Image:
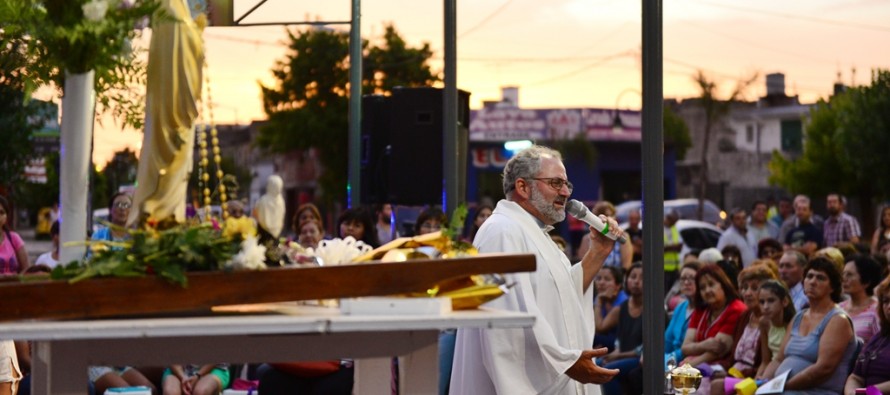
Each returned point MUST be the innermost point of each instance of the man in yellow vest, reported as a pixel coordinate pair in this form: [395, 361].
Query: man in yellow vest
[673, 242]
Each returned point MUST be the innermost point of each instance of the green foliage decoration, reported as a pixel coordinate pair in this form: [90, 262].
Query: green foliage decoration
[56, 37]
[168, 251]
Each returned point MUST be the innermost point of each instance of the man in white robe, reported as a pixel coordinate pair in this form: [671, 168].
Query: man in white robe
[553, 356]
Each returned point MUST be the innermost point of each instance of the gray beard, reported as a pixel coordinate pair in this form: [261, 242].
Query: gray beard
[546, 208]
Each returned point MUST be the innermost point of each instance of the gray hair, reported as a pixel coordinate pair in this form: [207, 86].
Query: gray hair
[799, 257]
[525, 164]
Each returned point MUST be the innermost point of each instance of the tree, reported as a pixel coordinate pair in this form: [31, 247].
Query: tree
[676, 132]
[308, 106]
[395, 64]
[845, 142]
[18, 117]
[121, 169]
[56, 35]
[715, 109]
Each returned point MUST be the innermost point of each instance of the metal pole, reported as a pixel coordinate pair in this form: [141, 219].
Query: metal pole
[353, 186]
[653, 199]
[450, 167]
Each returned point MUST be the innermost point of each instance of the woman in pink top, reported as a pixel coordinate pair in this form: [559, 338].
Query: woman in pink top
[861, 275]
[13, 256]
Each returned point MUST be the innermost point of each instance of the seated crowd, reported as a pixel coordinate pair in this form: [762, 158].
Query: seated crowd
[815, 305]
[797, 293]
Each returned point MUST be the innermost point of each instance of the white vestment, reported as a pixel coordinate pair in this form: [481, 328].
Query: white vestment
[530, 360]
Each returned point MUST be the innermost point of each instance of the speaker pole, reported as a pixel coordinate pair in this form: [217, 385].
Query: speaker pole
[353, 185]
[451, 176]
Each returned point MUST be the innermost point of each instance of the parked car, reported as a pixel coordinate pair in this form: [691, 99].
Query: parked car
[697, 235]
[686, 208]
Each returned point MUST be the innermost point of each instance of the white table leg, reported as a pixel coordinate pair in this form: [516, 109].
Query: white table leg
[373, 376]
[59, 368]
[419, 371]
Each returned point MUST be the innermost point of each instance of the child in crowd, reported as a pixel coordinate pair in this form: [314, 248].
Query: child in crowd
[777, 310]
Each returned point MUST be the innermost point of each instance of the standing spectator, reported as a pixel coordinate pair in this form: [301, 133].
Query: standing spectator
[880, 241]
[840, 226]
[635, 234]
[737, 234]
[783, 212]
[794, 221]
[51, 258]
[819, 344]
[873, 364]
[13, 255]
[673, 243]
[791, 267]
[805, 236]
[384, 223]
[861, 275]
[759, 228]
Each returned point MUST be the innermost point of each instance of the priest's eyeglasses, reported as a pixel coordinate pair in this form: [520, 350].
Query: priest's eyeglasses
[557, 183]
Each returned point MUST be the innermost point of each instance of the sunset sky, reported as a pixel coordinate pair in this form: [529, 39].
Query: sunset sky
[569, 53]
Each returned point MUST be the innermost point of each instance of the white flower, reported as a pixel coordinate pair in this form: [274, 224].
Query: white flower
[95, 10]
[340, 251]
[251, 257]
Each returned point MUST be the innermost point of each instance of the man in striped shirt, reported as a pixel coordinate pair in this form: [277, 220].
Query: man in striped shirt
[839, 226]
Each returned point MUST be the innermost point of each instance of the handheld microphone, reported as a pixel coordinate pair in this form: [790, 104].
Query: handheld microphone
[580, 211]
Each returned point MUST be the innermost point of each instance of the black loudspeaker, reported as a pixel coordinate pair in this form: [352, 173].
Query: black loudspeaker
[401, 135]
[415, 168]
[375, 137]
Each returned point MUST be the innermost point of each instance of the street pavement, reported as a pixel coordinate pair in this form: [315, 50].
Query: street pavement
[32, 245]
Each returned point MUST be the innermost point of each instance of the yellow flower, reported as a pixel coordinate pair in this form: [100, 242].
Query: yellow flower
[243, 226]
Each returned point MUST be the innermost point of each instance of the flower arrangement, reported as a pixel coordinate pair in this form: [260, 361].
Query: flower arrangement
[167, 250]
[76, 36]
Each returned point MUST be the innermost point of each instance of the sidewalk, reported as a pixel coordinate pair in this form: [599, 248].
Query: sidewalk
[32, 245]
